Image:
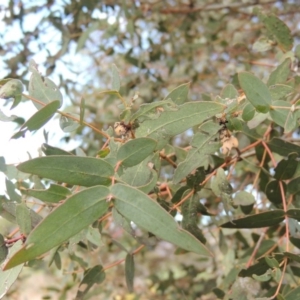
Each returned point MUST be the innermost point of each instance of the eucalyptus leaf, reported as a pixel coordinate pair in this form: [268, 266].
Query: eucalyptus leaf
[80, 210]
[144, 212]
[84, 171]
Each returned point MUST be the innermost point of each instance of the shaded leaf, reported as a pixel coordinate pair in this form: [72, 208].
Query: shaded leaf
[129, 271]
[294, 213]
[76, 213]
[179, 94]
[286, 168]
[248, 112]
[13, 88]
[95, 275]
[23, 218]
[283, 147]
[273, 191]
[259, 220]
[84, 171]
[3, 249]
[202, 146]
[53, 194]
[229, 91]
[135, 151]
[280, 91]
[256, 91]
[292, 295]
[146, 213]
[294, 185]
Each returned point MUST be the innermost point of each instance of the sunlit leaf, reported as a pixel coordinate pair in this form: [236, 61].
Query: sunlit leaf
[256, 91]
[144, 212]
[65, 221]
[68, 124]
[84, 171]
[135, 151]
[281, 73]
[179, 94]
[7, 278]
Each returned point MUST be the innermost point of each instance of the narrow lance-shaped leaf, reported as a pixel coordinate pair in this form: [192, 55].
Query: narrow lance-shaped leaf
[41, 117]
[149, 215]
[53, 194]
[84, 171]
[23, 218]
[135, 151]
[283, 147]
[260, 220]
[92, 276]
[65, 221]
[129, 271]
[116, 83]
[171, 123]
[256, 91]
[8, 278]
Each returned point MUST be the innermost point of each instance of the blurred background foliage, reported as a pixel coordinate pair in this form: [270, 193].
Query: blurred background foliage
[156, 45]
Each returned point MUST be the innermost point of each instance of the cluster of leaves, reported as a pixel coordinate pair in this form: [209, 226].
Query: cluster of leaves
[208, 196]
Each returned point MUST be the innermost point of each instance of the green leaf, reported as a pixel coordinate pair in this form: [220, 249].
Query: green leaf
[5, 118]
[41, 117]
[50, 150]
[149, 215]
[256, 91]
[7, 278]
[43, 89]
[202, 146]
[179, 94]
[140, 176]
[171, 123]
[272, 262]
[243, 198]
[11, 191]
[293, 294]
[13, 88]
[260, 220]
[294, 213]
[280, 91]
[248, 112]
[273, 191]
[53, 194]
[129, 271]
[85, 35]
[68, 124]
[149, 110]
[229, 92]
[116, 83]
[135, 151]
[221, 184]
[84, 171]
[294, 186]
[283, 147]
[279, 30]
[23, 218]
[281, 73]
[76, 213]
[82, 110]
[95, 275]
[286, 168]
[3, 249]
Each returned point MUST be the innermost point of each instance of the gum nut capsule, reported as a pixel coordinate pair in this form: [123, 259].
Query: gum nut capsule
[234, 142]
[119, 129]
